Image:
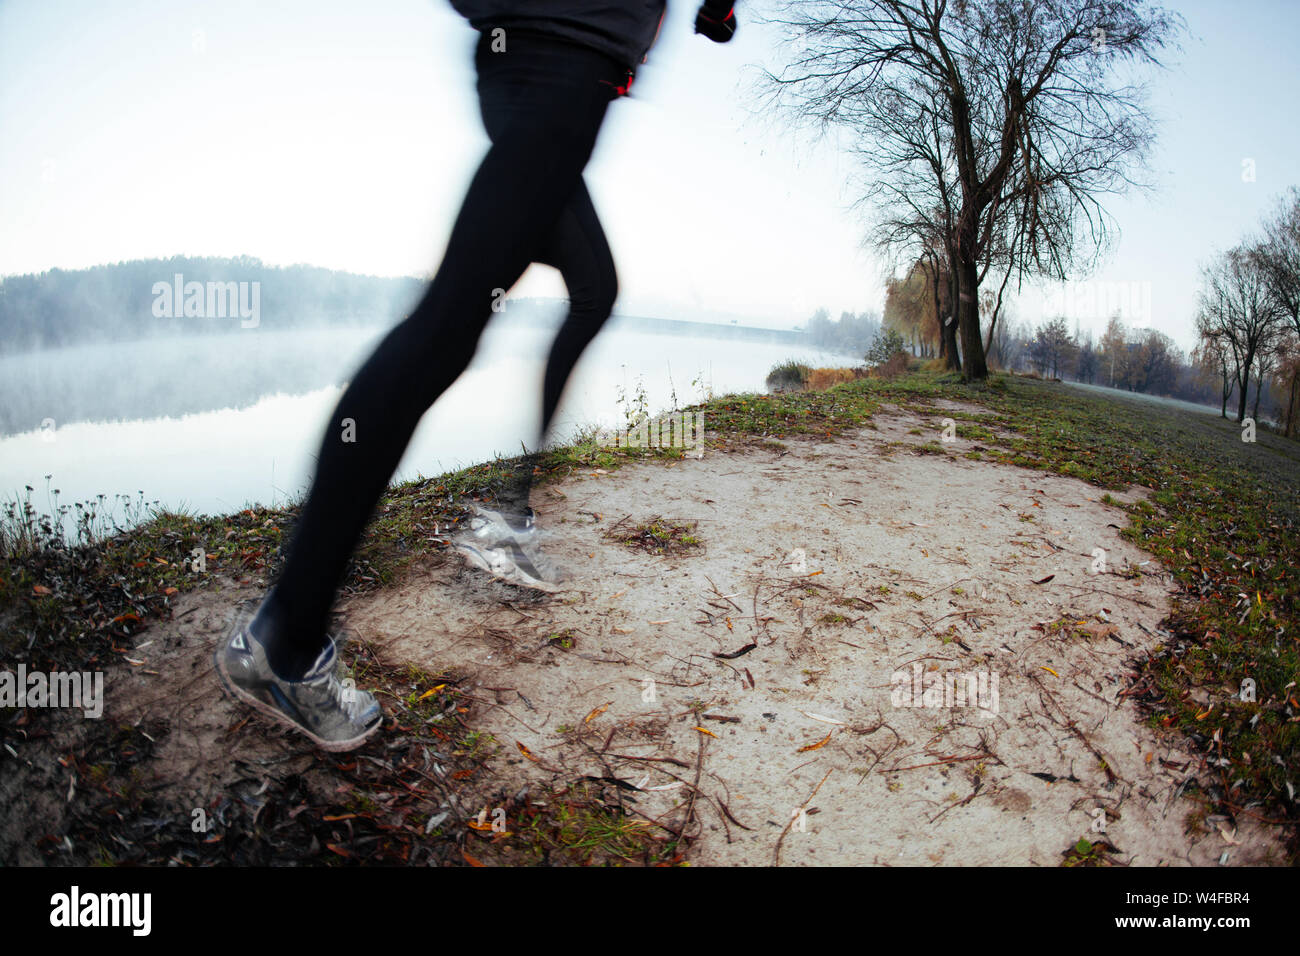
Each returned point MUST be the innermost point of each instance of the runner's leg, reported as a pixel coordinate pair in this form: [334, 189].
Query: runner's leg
[555, 96]
[578, 248]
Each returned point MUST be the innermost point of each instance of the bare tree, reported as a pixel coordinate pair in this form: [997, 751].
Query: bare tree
[1238, 309]
[1265, 362]
[1003, 350]
[1086, 365]
[1114, 352]
[1009, 117]
[1052, 349]
[1278, 256]
[1287, 378]
[1153, 363]
[917, 303]
[1213, 355]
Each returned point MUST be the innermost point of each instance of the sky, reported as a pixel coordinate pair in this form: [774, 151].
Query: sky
[343, 134]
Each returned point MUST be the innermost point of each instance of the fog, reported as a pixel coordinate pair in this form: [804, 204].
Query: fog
[214, 423]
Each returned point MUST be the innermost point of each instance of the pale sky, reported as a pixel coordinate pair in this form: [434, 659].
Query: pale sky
[343, 134]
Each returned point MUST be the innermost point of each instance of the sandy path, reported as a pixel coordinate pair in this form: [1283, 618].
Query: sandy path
[846, 563]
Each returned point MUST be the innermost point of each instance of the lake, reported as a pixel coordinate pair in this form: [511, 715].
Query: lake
[216, 423]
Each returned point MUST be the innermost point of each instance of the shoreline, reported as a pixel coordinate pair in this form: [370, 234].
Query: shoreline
[71, 608]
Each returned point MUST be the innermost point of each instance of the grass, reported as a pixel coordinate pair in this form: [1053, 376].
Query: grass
[69, 599]
[386, 804]
[1224, 519]
[788, 375]
[580, 825]
[658, 535]
[1087, 853]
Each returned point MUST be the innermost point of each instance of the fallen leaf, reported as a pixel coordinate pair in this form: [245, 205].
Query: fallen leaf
[819, 745]
[526, 752]
[703, 731]
[1049, 670]
[469, 859]
[595, 713]
[1101, 630]
[1046, 579]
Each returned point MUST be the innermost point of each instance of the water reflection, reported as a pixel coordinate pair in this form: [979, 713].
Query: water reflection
[267, 397]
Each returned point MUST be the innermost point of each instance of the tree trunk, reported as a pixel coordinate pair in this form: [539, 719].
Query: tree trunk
[974, 368]
[1243, 381]
[1291, 404]
[948, 328]
[938, 307]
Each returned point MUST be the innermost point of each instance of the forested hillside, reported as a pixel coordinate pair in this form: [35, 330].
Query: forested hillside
[122, 301]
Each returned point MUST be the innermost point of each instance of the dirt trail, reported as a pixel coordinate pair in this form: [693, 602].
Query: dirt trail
[847, 564]
[865, 581]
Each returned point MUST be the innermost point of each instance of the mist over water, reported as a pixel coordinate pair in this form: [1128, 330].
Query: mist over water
[212, 424]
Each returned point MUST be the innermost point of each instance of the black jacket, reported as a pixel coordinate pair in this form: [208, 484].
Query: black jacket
[624, 29]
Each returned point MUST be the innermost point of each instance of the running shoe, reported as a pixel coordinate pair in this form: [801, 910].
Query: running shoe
[506, 546]
[335, 716]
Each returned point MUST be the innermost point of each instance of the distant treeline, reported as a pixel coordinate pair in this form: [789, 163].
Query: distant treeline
[137, 300]
[851, 333]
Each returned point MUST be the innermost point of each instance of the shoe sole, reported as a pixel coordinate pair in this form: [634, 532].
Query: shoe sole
[519, 578]
[333, 746]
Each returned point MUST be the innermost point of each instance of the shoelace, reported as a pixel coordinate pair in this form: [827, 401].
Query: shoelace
[347, 699]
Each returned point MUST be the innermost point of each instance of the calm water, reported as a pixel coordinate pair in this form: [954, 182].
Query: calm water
[213, 424]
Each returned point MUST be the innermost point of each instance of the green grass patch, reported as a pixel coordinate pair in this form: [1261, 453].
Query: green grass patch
[658, 535]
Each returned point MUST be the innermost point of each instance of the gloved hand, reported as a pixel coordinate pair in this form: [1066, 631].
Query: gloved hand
[716, 20]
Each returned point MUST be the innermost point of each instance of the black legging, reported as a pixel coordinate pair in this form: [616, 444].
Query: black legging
[542, 102]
